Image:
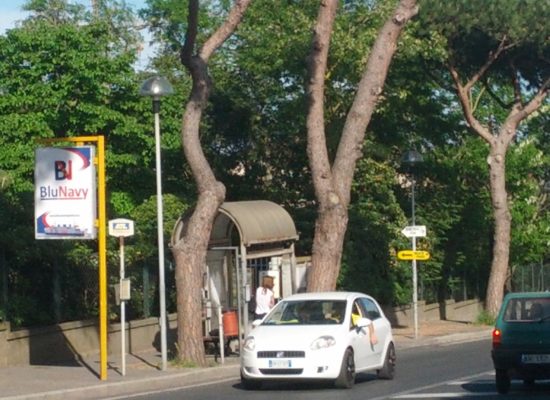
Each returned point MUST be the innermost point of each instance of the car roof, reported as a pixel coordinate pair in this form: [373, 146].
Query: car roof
[537, 295]
[335, 295]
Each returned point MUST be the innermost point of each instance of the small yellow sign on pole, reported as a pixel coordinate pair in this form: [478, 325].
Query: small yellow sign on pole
[413, 255]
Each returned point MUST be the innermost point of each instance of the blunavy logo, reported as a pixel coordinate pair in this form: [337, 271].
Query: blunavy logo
[62, 193]
[63, 173]
[63, 170]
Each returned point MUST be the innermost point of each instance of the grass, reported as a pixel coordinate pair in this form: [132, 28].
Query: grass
[485, 318]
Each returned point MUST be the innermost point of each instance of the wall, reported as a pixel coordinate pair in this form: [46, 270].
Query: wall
[66, 343]
[4, 331]
[464, 311]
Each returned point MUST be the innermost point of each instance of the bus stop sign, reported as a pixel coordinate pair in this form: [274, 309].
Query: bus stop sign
[121, 227]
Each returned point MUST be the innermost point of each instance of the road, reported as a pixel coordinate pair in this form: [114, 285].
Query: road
[461, 371]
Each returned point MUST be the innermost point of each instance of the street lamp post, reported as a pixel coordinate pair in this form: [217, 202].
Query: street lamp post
[409, 160]
[157, 87]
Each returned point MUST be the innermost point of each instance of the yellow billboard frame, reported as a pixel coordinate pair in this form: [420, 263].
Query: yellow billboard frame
[102, 238]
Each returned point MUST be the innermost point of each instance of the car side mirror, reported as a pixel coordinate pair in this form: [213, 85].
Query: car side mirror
[363, 323]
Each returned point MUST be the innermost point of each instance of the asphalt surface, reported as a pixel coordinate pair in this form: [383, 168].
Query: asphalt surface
[80, 380]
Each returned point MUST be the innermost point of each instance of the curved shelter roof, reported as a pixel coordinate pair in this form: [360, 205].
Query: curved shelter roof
[257, 221]
[260, 221]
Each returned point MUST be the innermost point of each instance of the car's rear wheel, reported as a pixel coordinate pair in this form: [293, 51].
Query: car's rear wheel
[250, 384]
[502, 380]
[388, 369]
[346, 379]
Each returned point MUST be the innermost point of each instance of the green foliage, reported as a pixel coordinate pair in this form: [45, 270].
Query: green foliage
[145, 217]
[527, 166]
[373, 237]
[469, 33]
[484, 318]
[69, 72]
[473, 29]
[65, 72]
[459, 234]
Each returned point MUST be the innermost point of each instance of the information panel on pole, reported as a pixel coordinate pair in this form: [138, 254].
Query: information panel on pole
[420, 255]
[121, 227]
[414, 231]
[65, 193]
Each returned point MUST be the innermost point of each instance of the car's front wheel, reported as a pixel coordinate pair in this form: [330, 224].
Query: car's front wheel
[346, 379]
[502, 380]
[388, 369]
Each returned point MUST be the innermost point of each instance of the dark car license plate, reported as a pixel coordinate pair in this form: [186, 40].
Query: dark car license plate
[535, 358]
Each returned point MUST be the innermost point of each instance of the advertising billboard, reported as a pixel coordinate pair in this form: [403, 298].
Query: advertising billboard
[65, 193]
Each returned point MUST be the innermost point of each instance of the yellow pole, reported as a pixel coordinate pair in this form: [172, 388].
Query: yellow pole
[102, 238]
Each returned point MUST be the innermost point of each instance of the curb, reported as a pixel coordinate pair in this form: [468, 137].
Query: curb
[453, 338]
[135, 386]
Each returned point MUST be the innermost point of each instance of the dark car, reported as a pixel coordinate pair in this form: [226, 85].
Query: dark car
[521, 339]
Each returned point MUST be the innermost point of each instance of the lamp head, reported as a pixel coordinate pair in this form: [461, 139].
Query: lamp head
[156, 87]
[411, 159]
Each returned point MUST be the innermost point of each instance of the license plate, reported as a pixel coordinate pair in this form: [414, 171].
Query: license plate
[280, 363]
[535, 358]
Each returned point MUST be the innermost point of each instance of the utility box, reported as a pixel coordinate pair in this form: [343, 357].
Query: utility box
[124, 289]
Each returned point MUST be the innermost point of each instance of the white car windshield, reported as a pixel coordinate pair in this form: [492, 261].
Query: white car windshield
[307, 312]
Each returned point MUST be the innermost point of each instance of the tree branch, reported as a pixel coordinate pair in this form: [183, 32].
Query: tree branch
[233, 19]
[439, 81]
[490, 60]
[520, 112]
[198, 68]
[186, 52]
[317, 66]
[464, 95]
[368, 92]
[494, 95]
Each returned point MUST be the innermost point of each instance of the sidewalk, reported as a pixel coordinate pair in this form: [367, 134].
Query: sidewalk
[80, 380]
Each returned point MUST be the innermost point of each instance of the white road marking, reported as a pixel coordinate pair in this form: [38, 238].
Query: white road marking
[444, 395]
[415, 393]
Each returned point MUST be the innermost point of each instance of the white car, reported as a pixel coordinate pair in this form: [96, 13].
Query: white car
[319, 336]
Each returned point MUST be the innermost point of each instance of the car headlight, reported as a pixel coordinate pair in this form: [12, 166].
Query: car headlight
[322, 342]
[249, 343]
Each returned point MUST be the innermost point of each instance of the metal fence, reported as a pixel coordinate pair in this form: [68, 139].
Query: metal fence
[531, 277]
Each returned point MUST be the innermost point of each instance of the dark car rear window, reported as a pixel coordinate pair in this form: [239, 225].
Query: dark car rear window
[526, 309]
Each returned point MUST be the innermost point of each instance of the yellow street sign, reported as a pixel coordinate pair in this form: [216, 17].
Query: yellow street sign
[413, 255]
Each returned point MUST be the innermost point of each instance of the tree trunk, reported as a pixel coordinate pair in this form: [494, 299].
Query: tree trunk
[190, 251]
[502, 226]
[328, 242]
[498, 144]
[190, 257]
[333, 184]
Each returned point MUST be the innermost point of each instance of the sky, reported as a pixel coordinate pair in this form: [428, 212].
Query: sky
[11, 12]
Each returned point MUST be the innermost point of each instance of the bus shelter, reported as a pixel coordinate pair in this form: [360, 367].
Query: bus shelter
[249, 239]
